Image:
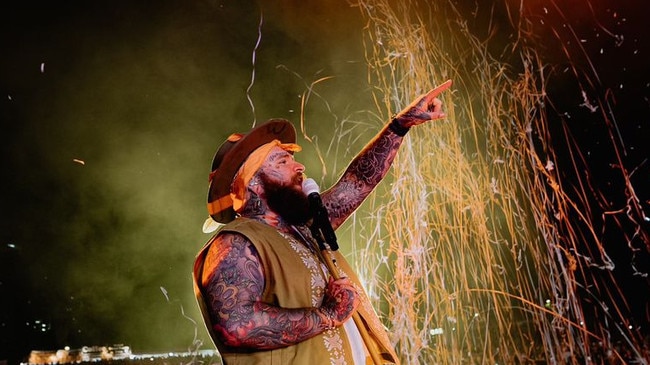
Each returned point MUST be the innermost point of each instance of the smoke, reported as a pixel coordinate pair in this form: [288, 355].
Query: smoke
[111, 114]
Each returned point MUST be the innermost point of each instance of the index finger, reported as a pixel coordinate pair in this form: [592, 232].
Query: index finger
[439, 89]
[442, 87]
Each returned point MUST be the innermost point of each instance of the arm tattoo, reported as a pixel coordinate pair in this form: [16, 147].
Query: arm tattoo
[234, 283]
[362, 175]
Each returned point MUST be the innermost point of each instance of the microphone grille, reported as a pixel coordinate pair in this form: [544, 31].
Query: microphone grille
[309, 186]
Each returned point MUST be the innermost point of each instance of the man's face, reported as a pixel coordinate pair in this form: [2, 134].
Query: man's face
[281, 168]
[281, 177]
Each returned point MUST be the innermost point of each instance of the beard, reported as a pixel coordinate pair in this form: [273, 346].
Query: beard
[288, 202]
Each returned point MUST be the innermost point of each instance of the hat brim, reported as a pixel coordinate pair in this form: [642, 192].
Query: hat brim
[226, 164]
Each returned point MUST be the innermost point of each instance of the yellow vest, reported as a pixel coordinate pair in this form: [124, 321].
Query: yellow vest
[294, 279]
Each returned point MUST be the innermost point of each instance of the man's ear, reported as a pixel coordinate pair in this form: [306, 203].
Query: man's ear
[255, 185]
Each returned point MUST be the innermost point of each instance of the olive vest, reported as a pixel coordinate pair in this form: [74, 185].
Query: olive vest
[294, 279]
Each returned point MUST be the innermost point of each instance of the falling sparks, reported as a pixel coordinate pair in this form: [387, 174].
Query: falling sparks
[499, 236]
[550, 166]
[164, 291]
[587, 104]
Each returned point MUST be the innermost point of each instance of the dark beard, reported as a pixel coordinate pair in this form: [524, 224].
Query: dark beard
[289, 203]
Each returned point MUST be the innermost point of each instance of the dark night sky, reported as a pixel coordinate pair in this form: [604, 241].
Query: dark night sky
[110, 114]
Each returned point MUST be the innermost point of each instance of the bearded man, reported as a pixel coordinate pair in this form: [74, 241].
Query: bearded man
[263, 284]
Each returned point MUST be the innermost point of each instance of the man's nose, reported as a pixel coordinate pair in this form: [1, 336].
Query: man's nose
[299, 167]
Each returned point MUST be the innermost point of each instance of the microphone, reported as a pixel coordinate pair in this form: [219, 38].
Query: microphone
[321, 226]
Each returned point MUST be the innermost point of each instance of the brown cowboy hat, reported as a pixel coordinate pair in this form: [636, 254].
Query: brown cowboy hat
[232, 154]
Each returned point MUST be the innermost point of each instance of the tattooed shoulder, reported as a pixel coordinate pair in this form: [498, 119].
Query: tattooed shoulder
[232, 257]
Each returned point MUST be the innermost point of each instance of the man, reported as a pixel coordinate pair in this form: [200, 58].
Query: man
[262, 282]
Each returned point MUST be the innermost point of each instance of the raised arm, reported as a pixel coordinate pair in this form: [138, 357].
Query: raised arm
[233, 283]
[371, 165]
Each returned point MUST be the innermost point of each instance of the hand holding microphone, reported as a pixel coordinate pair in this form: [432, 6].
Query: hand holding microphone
[319, 213]
[341, 298]
[340, 301]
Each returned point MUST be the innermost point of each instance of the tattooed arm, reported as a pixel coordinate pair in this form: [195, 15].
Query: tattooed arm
[233, 283]
[373, 162]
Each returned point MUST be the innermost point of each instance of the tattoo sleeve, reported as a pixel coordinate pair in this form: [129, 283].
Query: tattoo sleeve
[233, 282]
[363, 174]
